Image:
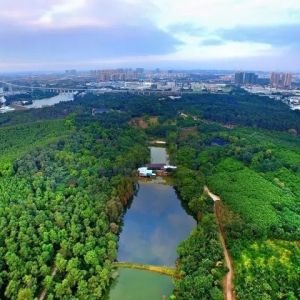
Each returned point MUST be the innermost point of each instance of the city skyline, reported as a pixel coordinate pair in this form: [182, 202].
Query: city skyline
[87, 34]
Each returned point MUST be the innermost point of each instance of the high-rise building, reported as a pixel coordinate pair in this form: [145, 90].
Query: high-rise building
[254, 79]
[140, 70]
[114, 77]
[274, 78]
[286, 79]
[239, 77]
[249, 78]
[104, 76]
[93, 73]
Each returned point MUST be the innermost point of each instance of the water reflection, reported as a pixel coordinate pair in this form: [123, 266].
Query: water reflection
[159, 155]
[154, 226]
[140, 285]
[216, 141]
[51, 101]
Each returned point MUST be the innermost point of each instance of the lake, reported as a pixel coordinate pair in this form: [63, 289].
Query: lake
[51, 101]
[154, 225]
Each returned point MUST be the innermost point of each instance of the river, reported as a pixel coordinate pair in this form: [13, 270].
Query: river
[51, 101]
[154, 225]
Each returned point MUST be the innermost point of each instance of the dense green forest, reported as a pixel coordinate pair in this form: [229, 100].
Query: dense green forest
[66, 176]
[234, 109]
[63, 190]
[19, 139]
[255, 172]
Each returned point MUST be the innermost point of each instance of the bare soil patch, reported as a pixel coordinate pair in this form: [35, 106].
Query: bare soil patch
[138, 122]
[185, 132]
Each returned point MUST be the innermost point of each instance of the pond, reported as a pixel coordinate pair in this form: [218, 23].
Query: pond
[159, 155]
[216, 141]
[140, 285]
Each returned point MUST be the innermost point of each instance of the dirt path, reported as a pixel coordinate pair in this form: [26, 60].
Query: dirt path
[213, 196]
[228, 279]
[43, 294]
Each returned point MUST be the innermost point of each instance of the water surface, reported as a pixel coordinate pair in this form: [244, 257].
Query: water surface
[140, 285]
[159, 155]
[51, 101]
[154, 226]
[216, 141]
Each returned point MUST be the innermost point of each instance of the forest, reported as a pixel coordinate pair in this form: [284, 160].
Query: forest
[255, 172]
[66, 175]
[63, 186]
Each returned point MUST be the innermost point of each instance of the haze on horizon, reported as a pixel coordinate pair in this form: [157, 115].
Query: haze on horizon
[171, 34]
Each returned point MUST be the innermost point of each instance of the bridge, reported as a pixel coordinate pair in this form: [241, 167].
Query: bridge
[43, 88]
[72, 90]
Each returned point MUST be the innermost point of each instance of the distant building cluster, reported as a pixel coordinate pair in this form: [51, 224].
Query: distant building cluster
[139, 73]
[117, 74]
[70, 72]
[170, 74]
[277, 79]
[245, 78]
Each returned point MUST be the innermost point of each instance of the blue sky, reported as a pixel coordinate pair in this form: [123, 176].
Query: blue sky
[171, 34]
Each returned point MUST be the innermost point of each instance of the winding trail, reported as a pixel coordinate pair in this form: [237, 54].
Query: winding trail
[228, 279]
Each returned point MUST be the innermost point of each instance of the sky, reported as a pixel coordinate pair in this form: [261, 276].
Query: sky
[166, 34]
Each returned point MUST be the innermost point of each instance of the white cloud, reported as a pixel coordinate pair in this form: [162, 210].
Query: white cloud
[211, 15]
[74, 13]
[189, 21]
[215, 14]
[193, 21]
[68, 7]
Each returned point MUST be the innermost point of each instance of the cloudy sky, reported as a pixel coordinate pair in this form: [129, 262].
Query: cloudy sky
[167, 34]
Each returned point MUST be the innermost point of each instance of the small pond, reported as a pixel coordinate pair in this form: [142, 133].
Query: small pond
[140, 285]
